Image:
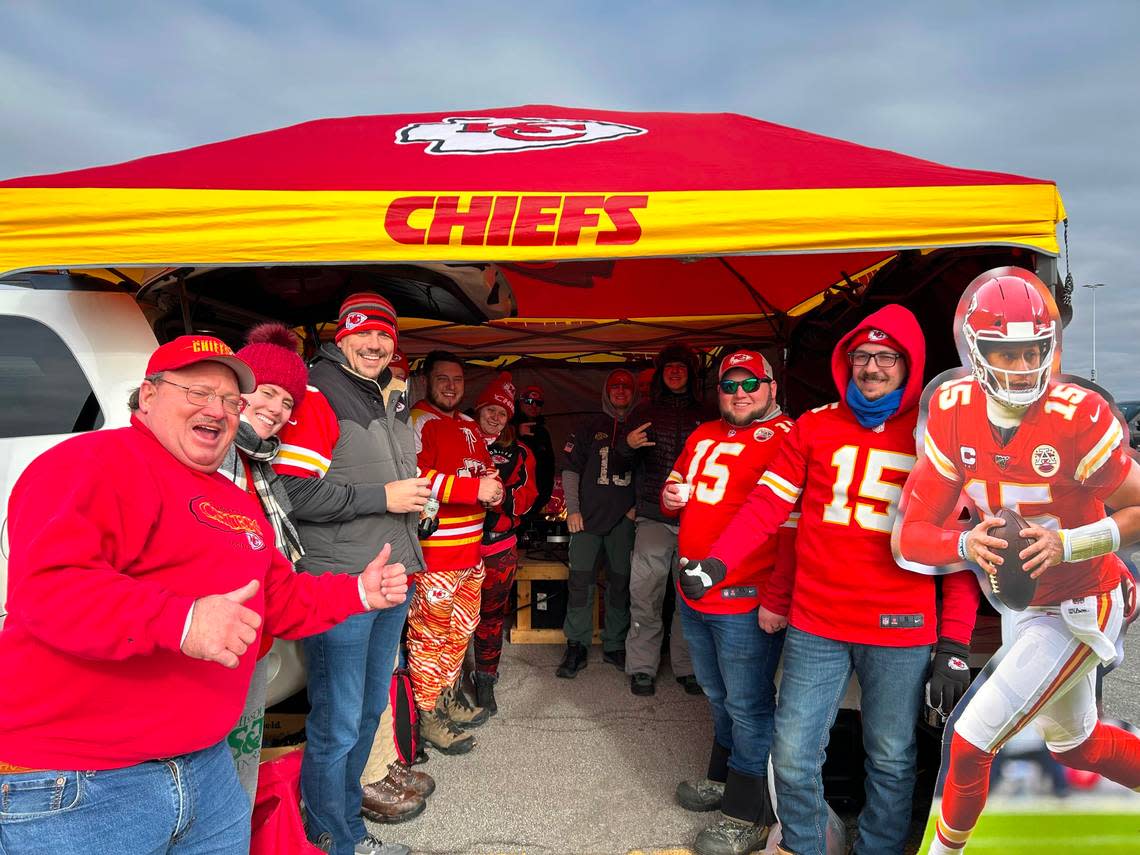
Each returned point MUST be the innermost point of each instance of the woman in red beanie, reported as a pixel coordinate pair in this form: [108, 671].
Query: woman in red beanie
[515, 464]
[281, 375]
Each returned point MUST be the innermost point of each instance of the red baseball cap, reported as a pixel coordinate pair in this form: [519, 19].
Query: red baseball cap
[750, 361]
[191, 349]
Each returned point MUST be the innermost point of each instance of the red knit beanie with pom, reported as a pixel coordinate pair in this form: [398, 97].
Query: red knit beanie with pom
[499, 391]
[271, 351]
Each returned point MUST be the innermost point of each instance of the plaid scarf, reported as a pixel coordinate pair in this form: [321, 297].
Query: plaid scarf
[274, 501]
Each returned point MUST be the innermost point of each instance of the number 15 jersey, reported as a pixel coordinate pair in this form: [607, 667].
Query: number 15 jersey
[1065, 457]
[722, 462]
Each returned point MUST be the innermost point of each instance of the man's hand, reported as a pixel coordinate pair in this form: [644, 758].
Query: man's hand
[980, 545]
[639, 437]
[697, 577]
[490, 490]
[575, 523]
[385, 584]
[222, 629]
[408, 496]
[673, 497]
[1045, 551]
[769, 621]
[949, 676]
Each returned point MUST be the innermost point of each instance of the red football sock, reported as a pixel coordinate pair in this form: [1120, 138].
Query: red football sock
[1109, 751]
[964, 793]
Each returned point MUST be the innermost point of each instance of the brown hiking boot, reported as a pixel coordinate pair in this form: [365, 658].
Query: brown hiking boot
[386, 801]
[461, 711]
[438, 731]
[420, 783]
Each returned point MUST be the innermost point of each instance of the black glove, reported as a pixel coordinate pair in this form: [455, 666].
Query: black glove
[949, 677]
[697, 577]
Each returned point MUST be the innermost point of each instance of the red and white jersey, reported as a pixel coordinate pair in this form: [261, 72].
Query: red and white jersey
[847, 586]
[308, 439]
[451, 452]
[1067, 455]
[723, 462]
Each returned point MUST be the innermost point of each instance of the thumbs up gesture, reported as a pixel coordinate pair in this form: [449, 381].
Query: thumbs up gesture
[222, 628]
[384, 584]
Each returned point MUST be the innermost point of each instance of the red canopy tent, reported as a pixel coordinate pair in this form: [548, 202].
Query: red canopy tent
[587, 230]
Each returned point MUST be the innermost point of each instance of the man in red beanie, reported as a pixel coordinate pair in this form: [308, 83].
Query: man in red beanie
[851, 607]
[141, 581]
[348, 464]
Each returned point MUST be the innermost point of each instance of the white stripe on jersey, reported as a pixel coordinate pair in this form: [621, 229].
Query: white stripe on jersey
[303, 458]
[942, 463]
[783, 488]
[1100, 452]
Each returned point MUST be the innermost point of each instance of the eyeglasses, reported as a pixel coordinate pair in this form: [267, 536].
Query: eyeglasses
[883, 359]
[203, 396]
[534, 402]
[748, 384]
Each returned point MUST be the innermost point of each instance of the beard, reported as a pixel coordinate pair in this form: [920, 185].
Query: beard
[441, 405]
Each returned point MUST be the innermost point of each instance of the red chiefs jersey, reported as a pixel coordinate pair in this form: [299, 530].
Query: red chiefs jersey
[847, 586]
[452, 454]
[722, 462]
[1067, 455]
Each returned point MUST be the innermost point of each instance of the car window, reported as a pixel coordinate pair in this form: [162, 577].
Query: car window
[43, 391]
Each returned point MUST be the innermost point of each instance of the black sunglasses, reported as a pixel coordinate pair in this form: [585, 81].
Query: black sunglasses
[748, 384]
[534, 402]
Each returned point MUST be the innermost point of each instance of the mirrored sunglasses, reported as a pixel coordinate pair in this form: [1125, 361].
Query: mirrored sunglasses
[748, 384]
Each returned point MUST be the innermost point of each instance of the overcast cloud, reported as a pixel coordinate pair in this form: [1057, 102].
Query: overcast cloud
[1048, 89]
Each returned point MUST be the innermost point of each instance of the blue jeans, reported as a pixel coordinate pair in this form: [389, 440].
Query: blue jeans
[350, 673]
[816, 671]
[188, 805]
[735, 662]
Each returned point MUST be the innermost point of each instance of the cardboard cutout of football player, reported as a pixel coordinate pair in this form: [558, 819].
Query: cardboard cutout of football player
[1010, 432]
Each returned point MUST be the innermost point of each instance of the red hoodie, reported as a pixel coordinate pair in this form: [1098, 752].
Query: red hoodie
[112, 540]
[848, 479]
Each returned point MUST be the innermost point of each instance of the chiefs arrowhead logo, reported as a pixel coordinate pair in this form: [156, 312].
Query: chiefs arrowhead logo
[473, 135]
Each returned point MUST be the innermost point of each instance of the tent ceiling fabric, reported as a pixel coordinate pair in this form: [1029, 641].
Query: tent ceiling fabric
[643, 204]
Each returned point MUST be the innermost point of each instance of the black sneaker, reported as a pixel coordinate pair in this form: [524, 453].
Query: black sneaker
[573, 662]
[642, 684]
[690, 685]
[615, 658]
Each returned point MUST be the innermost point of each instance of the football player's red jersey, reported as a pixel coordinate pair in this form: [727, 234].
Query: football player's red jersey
[847, 586]
[1066, 456]
[723, 463]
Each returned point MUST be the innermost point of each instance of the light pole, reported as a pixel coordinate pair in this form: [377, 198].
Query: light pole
[1092, 287]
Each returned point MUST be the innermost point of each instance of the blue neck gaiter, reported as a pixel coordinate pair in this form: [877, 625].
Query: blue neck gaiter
[872, 413]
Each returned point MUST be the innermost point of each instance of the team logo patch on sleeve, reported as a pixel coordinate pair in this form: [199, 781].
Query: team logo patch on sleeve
[484, 135]
[1046, 461]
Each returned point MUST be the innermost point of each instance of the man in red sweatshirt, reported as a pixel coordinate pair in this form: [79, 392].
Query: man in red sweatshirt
[139, 583]
[851, 608]
[445, 604]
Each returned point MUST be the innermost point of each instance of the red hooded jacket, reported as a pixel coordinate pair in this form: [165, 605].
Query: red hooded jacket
[847, 480]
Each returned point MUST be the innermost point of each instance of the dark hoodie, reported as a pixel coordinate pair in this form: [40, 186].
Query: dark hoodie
[674, 416]
[599, 482]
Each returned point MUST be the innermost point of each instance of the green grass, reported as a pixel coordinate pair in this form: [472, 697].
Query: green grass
[1037, 833]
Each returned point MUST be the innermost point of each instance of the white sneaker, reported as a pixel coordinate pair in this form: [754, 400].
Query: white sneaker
[369, 845]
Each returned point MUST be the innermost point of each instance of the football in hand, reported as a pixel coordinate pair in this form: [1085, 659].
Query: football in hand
[1011, 584]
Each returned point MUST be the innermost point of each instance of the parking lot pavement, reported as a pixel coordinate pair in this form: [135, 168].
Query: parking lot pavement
[567, 767]
[582, 767]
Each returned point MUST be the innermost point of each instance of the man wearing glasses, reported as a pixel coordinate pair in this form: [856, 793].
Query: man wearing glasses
[141, 579]
[530, 424]
[851, 608]
[733, 658]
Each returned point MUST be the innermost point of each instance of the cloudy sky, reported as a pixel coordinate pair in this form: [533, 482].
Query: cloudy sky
[1048, 89]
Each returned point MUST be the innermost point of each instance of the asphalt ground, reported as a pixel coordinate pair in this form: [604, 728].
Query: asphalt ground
[583, 767]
